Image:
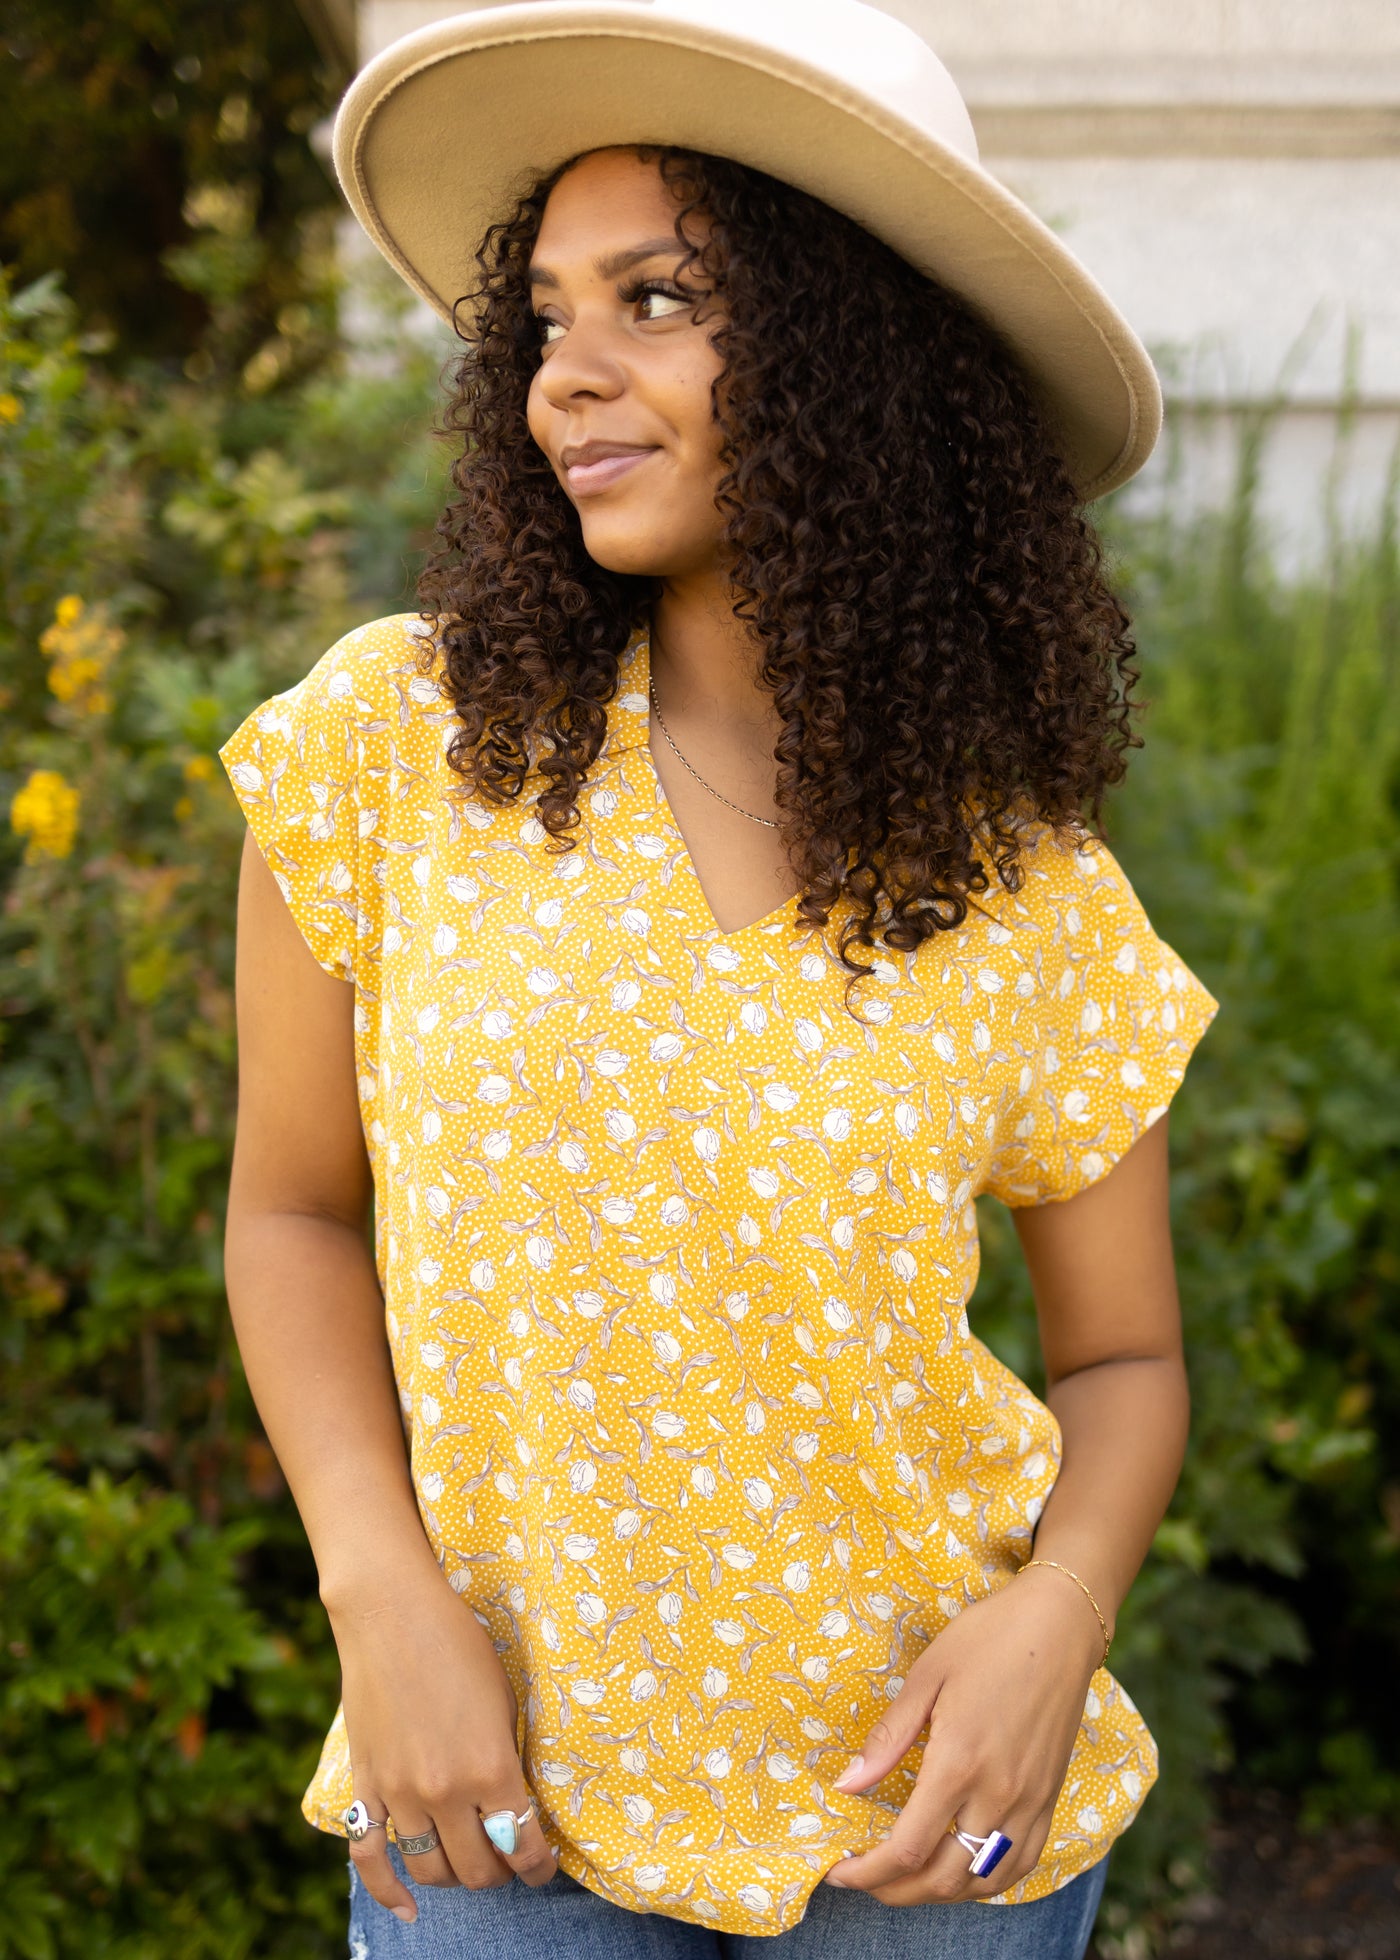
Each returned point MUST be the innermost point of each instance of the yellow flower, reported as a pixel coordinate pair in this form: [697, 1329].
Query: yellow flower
[45, 810]
[184, 809]
[200, 769]
[81, 645]
[11, 408]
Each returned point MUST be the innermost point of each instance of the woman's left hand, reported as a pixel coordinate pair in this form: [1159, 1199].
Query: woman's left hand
[1002, 1690]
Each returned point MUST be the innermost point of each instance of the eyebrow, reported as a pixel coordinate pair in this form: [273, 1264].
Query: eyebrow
[613, 264]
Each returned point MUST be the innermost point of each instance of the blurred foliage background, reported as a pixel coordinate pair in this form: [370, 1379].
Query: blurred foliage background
[155, 154]
[201, 487]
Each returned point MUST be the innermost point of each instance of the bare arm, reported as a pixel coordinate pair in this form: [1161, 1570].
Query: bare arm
[302, 1287]
[1110, 1329]
[1002, 1688]
[429, 1710]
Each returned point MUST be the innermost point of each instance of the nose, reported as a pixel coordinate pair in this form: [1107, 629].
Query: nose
[583, 364]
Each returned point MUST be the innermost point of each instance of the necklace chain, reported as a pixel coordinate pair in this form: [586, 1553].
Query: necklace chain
[768, 822]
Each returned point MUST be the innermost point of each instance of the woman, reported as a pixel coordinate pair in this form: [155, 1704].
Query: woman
[671, 931]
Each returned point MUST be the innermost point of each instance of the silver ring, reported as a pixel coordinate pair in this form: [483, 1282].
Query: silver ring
[500, 1827]
[358, 1822]
[414, 1847]
[988, 1851]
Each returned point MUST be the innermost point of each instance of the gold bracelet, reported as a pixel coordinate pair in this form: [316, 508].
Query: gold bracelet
[1103, 1623]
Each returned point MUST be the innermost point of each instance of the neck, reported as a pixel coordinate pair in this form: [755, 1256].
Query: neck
[704, 660]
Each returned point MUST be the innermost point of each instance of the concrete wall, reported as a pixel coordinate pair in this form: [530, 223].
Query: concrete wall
[1230, 171]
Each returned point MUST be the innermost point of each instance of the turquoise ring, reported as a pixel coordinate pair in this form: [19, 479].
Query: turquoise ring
[501, 1827]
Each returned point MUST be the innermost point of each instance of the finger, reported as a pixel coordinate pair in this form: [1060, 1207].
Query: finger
[1029, 1838]
[948, 1877]
[533, 1858]
[889, 1740]
[370, 1857]
[944, 1880]
[919, 1834]
[423, 1867]
[471, 1854]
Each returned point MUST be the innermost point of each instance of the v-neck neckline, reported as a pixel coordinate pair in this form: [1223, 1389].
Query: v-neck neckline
[637, 676]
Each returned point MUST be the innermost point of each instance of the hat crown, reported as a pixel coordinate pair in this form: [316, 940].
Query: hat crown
[868, 49]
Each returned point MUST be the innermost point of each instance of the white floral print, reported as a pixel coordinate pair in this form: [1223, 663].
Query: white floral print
[676, 1255]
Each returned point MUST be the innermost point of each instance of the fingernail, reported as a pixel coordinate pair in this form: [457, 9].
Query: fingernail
[851, 1773]
[406, 1913]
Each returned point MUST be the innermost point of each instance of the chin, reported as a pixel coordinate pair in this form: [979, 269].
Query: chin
[626, 548]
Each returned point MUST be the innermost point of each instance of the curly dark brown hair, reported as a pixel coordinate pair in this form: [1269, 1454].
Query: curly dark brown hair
[927, 597]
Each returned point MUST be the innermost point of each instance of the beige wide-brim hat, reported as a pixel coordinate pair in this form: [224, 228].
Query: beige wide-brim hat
[437, 136]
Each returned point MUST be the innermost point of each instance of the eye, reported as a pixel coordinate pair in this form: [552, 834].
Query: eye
[659, 299]
[548, 330]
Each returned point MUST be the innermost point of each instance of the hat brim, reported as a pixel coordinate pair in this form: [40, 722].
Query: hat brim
[438, 135]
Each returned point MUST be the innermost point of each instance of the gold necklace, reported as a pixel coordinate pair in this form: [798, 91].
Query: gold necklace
[768, 822]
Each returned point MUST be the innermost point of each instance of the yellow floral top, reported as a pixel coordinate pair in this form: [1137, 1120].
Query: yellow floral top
[676, 1257]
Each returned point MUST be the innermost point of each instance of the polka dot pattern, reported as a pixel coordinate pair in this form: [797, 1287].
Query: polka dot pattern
[676, 1257]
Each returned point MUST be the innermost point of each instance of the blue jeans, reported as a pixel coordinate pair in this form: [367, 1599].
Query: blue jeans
[563, 1920]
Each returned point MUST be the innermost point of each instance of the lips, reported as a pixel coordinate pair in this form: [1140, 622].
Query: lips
[593, 466]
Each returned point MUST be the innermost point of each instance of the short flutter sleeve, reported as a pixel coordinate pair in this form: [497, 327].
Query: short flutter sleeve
[1105, 1019]
[301, 766]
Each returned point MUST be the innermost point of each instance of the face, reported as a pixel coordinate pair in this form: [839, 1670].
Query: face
[621, 402]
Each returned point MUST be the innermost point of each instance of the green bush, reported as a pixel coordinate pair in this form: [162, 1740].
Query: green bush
[1266, 821]
[156, 157]
[171, 554]
[1261, 826]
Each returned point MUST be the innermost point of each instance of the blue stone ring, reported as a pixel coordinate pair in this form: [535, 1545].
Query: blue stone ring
[987, 1852]
[358, 1822]
[500, 1827]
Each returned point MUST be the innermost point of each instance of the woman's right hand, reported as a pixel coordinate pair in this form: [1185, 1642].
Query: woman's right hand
[430, 1715]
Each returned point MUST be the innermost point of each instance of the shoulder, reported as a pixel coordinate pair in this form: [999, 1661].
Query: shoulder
[1065, 877]
[369, 703]
[382, 668]
[1065, 866]
[370, 698]
[1073, 921]
[1087, 931]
